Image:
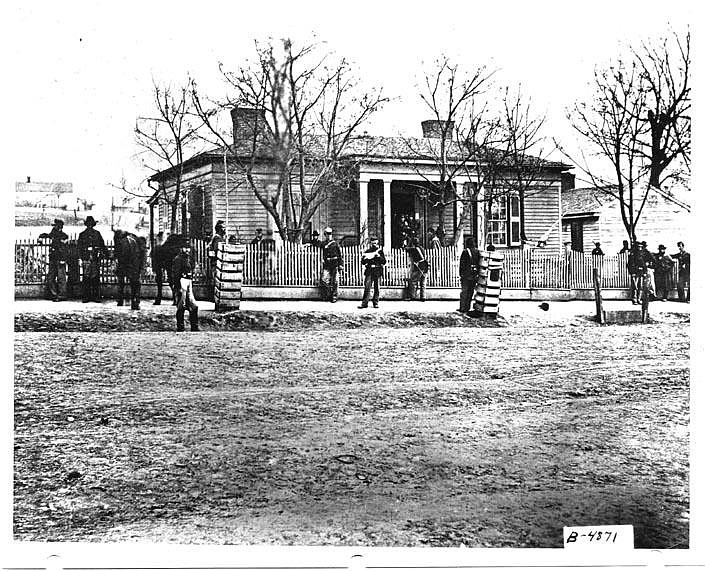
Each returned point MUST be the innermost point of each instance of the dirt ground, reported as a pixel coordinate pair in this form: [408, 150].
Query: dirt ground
[388, 435]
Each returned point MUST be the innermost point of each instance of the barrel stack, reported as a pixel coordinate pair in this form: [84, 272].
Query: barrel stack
[489, 284]
[228, 276]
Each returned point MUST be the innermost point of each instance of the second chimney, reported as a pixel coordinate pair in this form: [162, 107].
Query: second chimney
[248, 123]
[433, 128]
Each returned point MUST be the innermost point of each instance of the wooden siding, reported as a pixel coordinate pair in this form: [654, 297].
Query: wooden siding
[541, 214]
[662, 222]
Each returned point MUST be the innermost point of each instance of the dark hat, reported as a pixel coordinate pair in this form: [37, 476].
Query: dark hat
[90, 221]
[643, 243]
[661, 247]
[270, 232]
[314, 233]
[259, 230]
[58, 221]
[543, 306]
[219, 223]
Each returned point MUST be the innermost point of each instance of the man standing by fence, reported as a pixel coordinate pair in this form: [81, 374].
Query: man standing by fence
[683, 258]
[663, 264]
[56, 277]
[91, 250]
[182, 270]
[217, 239]
[374, 260]
[469, 271]
[332, 262]
[418, 267]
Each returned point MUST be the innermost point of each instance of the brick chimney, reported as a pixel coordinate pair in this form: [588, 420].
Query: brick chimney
[248, 122]
[432, 128]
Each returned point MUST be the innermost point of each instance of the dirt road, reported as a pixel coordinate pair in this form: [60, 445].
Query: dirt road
[406, 436]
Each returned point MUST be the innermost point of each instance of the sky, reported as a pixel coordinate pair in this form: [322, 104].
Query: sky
[82, 72]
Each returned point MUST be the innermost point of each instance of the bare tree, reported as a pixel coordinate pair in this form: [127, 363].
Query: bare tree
[168, 138]
[305, 111]
[495, 148]
[450, 94]
[639, 121]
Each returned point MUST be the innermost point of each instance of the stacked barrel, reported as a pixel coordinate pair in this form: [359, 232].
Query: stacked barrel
[489, 284]
[228, 276]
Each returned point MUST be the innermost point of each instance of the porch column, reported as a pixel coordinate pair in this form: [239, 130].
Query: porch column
[387, 214]
[364, 231]
[459, 192]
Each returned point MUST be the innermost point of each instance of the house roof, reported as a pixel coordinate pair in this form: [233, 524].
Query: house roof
[366, 146]
[582, 202]
[578, 202]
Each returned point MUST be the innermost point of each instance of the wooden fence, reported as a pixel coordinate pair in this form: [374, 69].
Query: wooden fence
[297, 265]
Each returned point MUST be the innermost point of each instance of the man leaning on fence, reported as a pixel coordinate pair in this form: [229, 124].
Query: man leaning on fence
[56, 277]
[332, 262]
[91, 251]
[374, 261]
[469, 271]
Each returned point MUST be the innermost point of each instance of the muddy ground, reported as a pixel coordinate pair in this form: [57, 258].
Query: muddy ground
[386, 435]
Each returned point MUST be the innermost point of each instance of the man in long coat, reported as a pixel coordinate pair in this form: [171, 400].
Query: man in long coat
[91, 250]
[469, 271]
[56, 276]
[374, 261]
[182, 272]
[332, 262]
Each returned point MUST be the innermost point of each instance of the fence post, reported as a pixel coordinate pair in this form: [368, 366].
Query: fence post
[598, 295]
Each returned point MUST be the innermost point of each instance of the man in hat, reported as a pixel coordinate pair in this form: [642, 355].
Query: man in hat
[217, 239]
[374, 260]
[683, 258]
[332, 262]
[315, 240]
[597, 250]
[649, 260]
[663, 264]
[182, 272]
[91, 250]
[56, 277]
[258, 237]
[469, 271]
[418, 267]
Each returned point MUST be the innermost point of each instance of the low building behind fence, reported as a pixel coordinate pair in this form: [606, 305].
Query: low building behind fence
[297, 265]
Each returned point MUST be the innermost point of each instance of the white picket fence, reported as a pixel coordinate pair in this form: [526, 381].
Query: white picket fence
[296, 265]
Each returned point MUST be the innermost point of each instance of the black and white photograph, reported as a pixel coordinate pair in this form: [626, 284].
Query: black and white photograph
[350, 285]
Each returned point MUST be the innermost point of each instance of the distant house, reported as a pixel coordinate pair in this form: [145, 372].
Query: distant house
[592, 216]
[388, 171]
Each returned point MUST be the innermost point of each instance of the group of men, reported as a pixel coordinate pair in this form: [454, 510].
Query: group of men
[91, 252]
[652, 272]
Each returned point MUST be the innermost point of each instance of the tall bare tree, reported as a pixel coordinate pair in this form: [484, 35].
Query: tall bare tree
[639, 121]
[169, 137]
[495, 147]
[305, 111]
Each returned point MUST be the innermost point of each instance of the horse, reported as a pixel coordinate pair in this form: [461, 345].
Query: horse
[130, 253]
[162, 259]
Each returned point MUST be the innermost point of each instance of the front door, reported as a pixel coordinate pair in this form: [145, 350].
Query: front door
[402, 206]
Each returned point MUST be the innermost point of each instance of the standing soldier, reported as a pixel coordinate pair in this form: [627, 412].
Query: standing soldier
[374, 260]
[683, 258]
[56, 277]
[258, 237]
[332, 262]
[182, 271]
[217, 239]
[663, 264]
[91, 250]
[433, 240]
[469, 271]
[638, 271]
[418, 267]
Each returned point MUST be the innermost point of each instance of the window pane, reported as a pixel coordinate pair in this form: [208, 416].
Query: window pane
[515, 232]
[515, 206]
